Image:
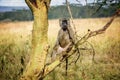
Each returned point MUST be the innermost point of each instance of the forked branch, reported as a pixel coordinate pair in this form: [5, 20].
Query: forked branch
[30, 5]
[36, 4]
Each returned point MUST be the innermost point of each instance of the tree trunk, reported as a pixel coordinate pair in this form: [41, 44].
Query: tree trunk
[34, 69]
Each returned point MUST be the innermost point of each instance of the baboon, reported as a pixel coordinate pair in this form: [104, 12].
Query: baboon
[64, 39]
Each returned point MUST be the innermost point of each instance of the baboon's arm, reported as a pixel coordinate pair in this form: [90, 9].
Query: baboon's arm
[56, 46]
[71, 34]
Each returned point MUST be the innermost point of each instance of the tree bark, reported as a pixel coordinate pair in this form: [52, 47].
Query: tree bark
[35, 67]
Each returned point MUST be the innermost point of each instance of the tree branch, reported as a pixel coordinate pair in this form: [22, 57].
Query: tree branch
[48, 2]
[78, 1]
[51, 67]
[102, 30]
[99, 31]
[69, 10]
[30, 5]
[38, 3]
[71, 16]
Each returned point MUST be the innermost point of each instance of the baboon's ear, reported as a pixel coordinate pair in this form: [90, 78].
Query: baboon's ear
[60, 22]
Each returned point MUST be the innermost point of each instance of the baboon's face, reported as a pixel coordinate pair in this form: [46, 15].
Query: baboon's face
[64, 24]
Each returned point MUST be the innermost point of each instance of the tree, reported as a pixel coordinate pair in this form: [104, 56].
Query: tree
[36, 68]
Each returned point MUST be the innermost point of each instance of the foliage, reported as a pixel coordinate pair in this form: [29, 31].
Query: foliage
[55, 12]
[18, 15]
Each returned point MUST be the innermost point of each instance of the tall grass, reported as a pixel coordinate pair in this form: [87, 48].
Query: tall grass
[105, 67]
[15, 48]
[14, 55]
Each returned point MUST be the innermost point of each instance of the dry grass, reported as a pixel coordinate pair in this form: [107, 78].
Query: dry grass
[15, 47]
[82, 25]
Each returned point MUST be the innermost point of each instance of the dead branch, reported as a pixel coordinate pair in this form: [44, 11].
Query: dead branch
[101, 5]
[71, 16]
[99, 31]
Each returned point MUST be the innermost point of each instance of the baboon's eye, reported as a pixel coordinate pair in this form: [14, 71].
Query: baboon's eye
[65, 22]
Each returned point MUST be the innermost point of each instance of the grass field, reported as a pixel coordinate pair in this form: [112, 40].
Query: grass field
[15, 46]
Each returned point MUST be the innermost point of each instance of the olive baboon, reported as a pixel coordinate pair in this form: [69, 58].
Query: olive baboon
[64, 39]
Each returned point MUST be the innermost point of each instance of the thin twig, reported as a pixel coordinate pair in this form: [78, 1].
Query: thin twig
[71, 16]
